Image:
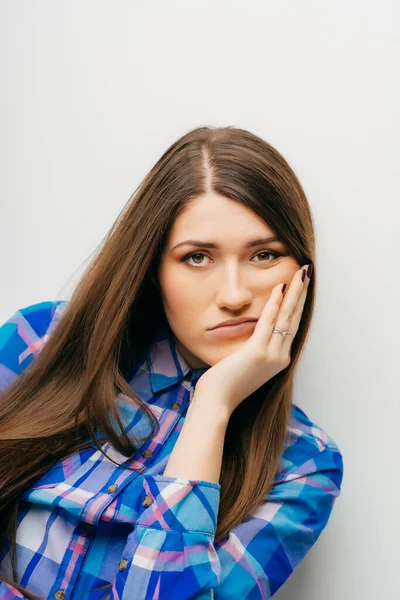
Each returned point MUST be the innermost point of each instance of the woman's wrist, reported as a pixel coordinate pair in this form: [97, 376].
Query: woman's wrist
[207, 406]
[198, 451]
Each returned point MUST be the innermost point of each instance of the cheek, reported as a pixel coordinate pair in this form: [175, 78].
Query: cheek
[178, 296]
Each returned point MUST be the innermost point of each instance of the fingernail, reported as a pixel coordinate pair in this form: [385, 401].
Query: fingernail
[303, 275]
[309, 271]
[283, 287]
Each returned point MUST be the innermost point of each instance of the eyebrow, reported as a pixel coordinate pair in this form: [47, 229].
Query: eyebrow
[249, 244]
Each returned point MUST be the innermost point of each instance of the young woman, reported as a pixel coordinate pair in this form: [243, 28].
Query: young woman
[147, 450]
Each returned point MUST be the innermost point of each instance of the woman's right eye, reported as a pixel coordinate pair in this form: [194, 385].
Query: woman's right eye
[186, 258]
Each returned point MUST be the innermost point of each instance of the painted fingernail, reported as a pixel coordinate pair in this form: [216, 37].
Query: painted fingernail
[303, 275]
[283, 287]
[309, 271]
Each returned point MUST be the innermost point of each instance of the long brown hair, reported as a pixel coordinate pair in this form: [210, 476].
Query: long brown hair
[66, 396]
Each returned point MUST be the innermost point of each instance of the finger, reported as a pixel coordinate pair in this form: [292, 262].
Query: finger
[266, 322]
[285, 313]
[296, 319]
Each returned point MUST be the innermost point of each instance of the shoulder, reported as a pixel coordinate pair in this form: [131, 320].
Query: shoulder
[309, 448]
[23, 335]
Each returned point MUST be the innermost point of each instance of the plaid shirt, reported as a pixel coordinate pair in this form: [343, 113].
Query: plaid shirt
[138, 535]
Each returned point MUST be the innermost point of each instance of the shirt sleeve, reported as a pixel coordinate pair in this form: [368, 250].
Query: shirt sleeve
[171, 552]
[21, 338]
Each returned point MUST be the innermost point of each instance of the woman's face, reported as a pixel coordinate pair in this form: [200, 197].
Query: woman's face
[215, 284]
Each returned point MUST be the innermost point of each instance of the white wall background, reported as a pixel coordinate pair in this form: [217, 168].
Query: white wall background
[92, 92]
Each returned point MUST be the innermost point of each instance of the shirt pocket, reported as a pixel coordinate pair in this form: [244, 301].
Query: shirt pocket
[77, 485]
[59, 474]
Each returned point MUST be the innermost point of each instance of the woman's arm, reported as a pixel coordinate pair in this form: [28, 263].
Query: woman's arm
[22, 337]
[171, 553]
[197, 453]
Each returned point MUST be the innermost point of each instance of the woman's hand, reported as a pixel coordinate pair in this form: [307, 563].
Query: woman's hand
[263, 355]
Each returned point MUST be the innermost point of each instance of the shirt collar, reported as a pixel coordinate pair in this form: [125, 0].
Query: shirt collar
[165, 364]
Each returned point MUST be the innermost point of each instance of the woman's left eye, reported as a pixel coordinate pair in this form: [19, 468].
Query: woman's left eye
[274, 254]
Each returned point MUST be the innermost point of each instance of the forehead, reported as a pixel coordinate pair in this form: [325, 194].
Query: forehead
[213, 214]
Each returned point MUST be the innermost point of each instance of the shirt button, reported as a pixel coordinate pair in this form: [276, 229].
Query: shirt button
[147, 453]
[113, 488]
[147, 501]
[122, 565]
[175, 406]
[59, 595]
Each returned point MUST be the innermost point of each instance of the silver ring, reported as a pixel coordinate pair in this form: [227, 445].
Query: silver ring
[284, 333]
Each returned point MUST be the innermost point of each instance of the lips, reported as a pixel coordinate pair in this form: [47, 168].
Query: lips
[234, 330]
[234, 322]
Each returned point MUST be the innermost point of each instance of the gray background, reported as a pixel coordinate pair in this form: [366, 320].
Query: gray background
[93, 92]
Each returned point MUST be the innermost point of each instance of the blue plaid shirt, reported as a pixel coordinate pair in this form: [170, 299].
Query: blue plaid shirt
[138, 535]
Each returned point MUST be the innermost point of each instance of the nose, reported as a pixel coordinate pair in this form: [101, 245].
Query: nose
[233, 293]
